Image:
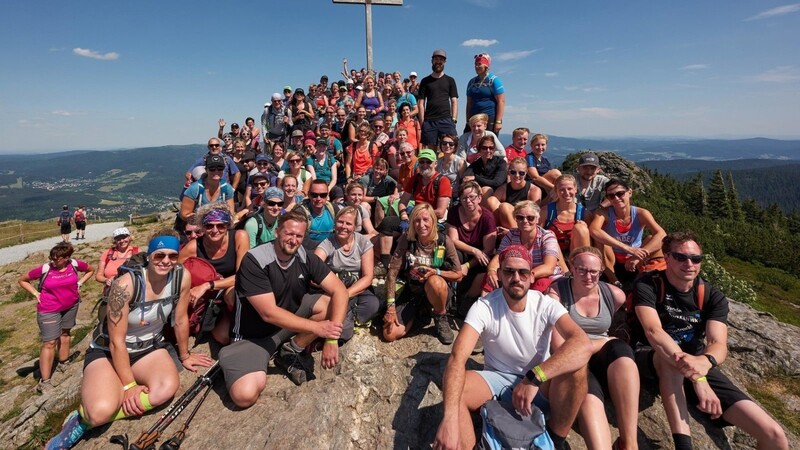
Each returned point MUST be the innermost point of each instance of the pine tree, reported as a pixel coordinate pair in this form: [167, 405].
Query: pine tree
[753, 213]
[696, 196]
[719, 206]
[733, 198]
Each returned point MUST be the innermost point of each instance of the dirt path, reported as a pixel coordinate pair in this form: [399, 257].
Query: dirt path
[94, 232]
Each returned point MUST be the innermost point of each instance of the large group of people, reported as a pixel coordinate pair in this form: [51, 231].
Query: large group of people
[368, 178]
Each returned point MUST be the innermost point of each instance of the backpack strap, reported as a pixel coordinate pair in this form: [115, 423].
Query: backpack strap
[260, 223]
[551, 214]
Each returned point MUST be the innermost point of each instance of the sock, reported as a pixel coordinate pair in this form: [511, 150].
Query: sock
[385, 259]
[82, 413]
[558, 441]
[144, 398]
[294, 347]
[682, 441]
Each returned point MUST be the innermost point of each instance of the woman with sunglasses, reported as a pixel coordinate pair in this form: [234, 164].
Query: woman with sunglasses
[223, 247]
[592, 304]
[354, 124]
[468, 142]
[323, 166]
[518, 188]
[354, 196]
[238, 158]
[472, 229]
[302, 111]
[254, 197]
[621, 228]
[486, 94]
[261, 226]
[489, 171]
[303, 176]
[208, 189]
[541, 243]
[350, 256]
[449, 164]
[57, 299]
[127, 370]
[410, 124]
[253, 133]
[112, 258]
[361, 155]
[565, 216]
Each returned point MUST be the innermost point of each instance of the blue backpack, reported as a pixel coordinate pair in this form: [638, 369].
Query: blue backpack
[503, 428]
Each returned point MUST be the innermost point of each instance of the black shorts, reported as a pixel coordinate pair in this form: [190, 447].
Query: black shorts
[66, 229]
[411, 299]
[433, 129]
[93, 354]
[727, 392]
[599, 362]
[80, 226]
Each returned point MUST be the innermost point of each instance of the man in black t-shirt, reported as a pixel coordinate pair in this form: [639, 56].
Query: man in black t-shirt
[687, 331]
[438, 102]
[272, 304]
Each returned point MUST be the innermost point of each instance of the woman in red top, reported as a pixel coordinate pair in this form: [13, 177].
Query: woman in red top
[114, 257]
[410, 124]
[361, 154]
[564, 217]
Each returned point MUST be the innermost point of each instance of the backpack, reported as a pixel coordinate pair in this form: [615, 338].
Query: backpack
[46, 270]
[503, 428]
[305, 205]
[630, 330]
[63, 218]
[418, 183]
[80, 216]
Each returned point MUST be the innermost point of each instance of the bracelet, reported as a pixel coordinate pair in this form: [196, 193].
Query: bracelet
[332, 341]
[540, 373]
[185, 357]
[129, 386]
[390, 301]
[500, 122]
[466, 264]
[80, 283]
[702, 379]
[211, 284]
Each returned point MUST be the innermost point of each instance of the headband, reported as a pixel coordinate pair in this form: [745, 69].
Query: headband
[516, 251]
[483, 59]
[217, 215]
[164, 243]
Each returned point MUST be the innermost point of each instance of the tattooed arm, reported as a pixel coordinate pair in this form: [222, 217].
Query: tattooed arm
[117, 321]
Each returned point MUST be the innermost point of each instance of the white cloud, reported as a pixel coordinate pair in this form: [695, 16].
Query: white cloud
[479, 42]
[87, 53]
[603, 50]
[484, 3]
[511, 56]
[583, 88]
[551, 74]
[695, 67]
[60, 112]
[777, 11]
[782, 74]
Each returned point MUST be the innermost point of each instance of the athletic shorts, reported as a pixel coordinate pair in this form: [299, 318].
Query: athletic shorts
[80, 225]
[409, 303]
[51, 324]
[252, 355]
[599, 362]
[502, 386]
[93, 354]
[66, 229]
[727, 392]
[432, 129]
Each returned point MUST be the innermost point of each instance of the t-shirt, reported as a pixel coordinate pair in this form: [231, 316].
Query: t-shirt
[362, 159]
[114, 261]
[321, 226]
[425, 193]
[260, 273]
[591, 195]
[197, 192]
[542, 165]
[437, 93]
[545, 244]
[322, 168]
[381, 189]
[59, 292]
[483, 93]
[679, 314]
[514, 342]
[485, 226]
[339, 260]
[267, 232]
[513, 152]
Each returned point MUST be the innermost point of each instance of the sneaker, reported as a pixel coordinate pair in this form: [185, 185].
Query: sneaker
[443, 330]
[299, 366]
[70, 434]
[44, 386]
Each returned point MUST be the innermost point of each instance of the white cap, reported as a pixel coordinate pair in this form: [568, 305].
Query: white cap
[121, 232]
[412, 74]
[277, 96]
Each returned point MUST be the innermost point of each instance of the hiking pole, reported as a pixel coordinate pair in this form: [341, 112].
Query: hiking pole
[184, 399]
[174, 443]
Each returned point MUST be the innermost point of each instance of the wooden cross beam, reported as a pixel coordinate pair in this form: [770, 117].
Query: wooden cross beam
[368, 10]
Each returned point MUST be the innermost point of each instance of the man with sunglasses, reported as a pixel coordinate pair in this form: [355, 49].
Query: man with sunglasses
[276, 120]
[516, 324]
[427, 186]
[685, 324]
[320, 212]
[230, 175]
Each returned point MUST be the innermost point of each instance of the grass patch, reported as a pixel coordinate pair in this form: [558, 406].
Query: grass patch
[16, 232]
[778, 292]
[21, 296]
[11, 414]
[51, 425]
[79, 333]
[772, 392]
[4, 334]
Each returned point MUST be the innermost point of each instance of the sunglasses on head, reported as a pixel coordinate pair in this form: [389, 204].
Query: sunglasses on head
[160, 256]
[318, 194]
[682, 257]
[618, 194]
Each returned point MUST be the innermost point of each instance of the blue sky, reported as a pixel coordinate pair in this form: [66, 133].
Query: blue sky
[98, 74]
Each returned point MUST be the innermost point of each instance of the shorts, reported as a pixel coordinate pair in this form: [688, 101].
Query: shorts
[432, 129]
[93, 354]
[502, 386]
[51, 324]
[80, 226]
[727, 392]
[409, 302]
[389, 225]
[66, 229]
[599, 362]
[250, 355]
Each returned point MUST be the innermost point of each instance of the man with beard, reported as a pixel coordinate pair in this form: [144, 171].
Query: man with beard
[438, 102]
[272, 304]
[320, 212]
[427, 186]
[515, 324]
[590, 184]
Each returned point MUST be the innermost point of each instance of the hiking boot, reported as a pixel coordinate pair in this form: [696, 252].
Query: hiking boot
[44, 386]
[299, 366]
[443, 330]
[70, 434]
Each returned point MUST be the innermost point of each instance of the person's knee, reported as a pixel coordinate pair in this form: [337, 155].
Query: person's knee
[163, 388]
[101, 411]
[436, 285]
[245, 391]
[50, 345]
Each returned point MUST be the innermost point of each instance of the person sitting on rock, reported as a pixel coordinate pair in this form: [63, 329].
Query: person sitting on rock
[273, 303]
[516, 190]
[684, 320]
[590, 184]
[516, 324]
[427, 186]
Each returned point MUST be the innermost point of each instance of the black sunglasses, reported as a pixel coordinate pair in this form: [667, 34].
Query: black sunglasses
[271, 203]
[682, 257]
[618, 194]
[318, 194]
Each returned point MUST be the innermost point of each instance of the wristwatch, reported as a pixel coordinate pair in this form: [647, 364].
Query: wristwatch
[712, 360]
[531, 376]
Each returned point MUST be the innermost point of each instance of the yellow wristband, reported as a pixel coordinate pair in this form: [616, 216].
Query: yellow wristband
[702, 379]
[540, 373]
[129, 386]
[332, 341]
[466, 264]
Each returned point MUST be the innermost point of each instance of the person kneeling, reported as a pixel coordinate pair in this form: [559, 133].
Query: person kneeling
[516, 325]
[272, 304]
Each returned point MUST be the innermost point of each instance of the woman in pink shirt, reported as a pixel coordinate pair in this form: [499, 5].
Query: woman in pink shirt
[57, 299]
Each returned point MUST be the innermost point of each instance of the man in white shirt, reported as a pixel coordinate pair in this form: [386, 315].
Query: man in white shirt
[515, 324]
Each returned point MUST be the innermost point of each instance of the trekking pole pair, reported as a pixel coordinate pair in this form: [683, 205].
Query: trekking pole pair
[148, 439]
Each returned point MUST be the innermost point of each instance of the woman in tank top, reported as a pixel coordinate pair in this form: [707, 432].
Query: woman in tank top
[449, 164]
[509, 194]
[564, 217]
[591, 304]
[129, 371]
[224, 248]
[370, 99]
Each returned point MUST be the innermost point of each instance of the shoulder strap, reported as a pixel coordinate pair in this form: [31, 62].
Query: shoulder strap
[662, 289]
[551, 214]
[260, 222]
[605, 292]
[701, 294]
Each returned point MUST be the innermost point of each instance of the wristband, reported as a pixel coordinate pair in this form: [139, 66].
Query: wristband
[498, 122]
[332, 341]
[702, 379]
[211, 284]
[712, 360]
[466, 264]
[438, 272]
[80, 283]
[129, 386]
[540, 373]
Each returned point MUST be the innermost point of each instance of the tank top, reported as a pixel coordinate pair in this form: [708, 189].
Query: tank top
[562, 230]
[596, 327]
[630, 234]
[514, 196]
[370, 103]
[147, 320]
[225, 266]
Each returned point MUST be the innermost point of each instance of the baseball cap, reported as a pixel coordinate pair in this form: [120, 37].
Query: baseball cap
[349, 81]
[589, 159]
[121, 232]
[234, 125]
[412, 74]
[439, 52]
[297, 133]
[215, 161]
[322, 142]
[287, 88]
[428, 154]
[257, 175]
[273, 192]
[300, 91]
[262, 157]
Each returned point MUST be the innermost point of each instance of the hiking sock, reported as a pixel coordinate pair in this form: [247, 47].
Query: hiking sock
[144, 398]
[385, 259]
[294, 347]
[558, 441]
[82, 413]
[682, 441]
